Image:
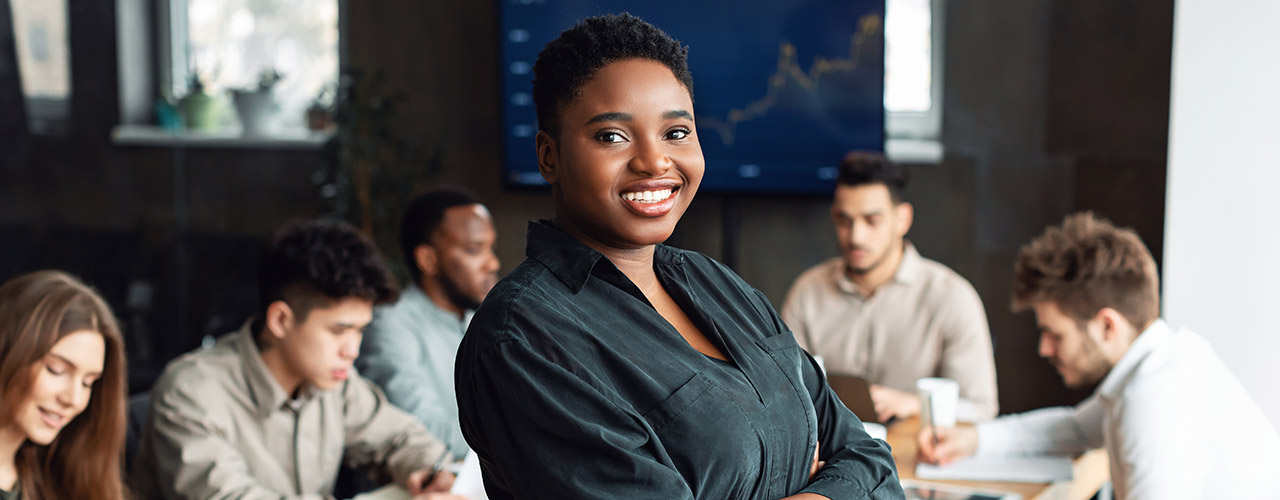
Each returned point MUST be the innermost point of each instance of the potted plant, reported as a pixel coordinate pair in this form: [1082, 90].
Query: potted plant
[257, 107]
[199, 109]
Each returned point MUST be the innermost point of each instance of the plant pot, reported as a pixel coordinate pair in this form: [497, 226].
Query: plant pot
[200, 111]
[257, 111]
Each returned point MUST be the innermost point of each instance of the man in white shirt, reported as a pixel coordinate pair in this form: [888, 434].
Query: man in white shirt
[1174, 420]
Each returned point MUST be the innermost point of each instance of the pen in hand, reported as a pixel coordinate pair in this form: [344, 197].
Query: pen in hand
[435, 469]
[933, 427]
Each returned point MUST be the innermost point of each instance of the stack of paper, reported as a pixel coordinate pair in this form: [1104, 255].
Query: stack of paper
[468, 484]
[1036, 469]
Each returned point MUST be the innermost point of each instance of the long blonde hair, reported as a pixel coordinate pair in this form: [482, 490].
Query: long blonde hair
[83, 461]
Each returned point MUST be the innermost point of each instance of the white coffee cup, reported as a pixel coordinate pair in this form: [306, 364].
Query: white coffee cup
[939, 401]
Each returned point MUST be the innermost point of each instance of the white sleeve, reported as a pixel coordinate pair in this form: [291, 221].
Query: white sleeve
[1161, 454]
[1048, 431]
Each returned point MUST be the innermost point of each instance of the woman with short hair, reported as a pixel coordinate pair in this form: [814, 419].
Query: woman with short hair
[609, 365]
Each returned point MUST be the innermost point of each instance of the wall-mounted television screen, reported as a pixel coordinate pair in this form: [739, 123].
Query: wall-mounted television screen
[782, 90]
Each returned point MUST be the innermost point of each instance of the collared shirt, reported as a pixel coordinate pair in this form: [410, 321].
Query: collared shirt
[925, 322]
[222, 427]
[571, 385]
[409, 352]
[16, 494]
[1177, 425]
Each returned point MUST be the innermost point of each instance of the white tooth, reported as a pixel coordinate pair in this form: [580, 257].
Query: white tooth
[664, 194]
[648, 196]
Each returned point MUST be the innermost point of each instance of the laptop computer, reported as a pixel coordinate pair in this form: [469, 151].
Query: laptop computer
[855, 393]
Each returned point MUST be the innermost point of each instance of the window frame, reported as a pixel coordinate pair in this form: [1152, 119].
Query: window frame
[924, 125]
[152, 37]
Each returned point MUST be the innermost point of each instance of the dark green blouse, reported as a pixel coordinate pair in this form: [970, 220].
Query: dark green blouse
[571, 385]
[16, 494]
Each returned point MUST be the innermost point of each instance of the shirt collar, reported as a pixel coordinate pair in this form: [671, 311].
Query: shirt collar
[1147, 342]
[266, 392]
[907, 272]
[572, 261]
[909, 266]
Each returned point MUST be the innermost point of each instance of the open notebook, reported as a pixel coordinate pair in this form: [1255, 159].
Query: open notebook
[919, 490]
[468, 484]
[1032, 469]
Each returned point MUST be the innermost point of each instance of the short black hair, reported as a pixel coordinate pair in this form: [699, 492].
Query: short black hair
[423, 216]
[861, 168]
[573, 58]
[312, 262]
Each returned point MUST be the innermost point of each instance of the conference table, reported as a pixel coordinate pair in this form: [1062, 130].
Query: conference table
[1090, 470]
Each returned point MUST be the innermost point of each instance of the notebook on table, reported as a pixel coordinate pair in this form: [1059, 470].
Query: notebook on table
[1032, 469]
[918, 490]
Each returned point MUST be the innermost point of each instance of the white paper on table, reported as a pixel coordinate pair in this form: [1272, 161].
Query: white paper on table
[1034, 469]
[388, 492]
[469, 482]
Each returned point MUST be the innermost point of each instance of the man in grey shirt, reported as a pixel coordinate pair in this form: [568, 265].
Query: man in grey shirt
[447, 239]
[883, 312]
[271, 409]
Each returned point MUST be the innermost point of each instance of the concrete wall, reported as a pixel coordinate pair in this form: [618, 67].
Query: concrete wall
[1221, 247]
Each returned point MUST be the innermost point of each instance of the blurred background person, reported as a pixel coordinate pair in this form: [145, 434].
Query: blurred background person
[883, 312]
[273, 409]
[447, 239]
[1174, 420]
[62, 391]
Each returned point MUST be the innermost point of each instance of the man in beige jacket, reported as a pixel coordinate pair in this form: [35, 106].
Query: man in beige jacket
[270, 411]
[883, 312]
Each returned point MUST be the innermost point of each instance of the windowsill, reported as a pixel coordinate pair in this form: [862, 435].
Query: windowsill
[914, 151]
[153, 136]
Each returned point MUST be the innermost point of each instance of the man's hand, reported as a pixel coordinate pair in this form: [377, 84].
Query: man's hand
[952, 443]
[438, 488]
[894, 403]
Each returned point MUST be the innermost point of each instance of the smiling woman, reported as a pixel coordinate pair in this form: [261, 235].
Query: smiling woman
[62, 418]
[609, 365]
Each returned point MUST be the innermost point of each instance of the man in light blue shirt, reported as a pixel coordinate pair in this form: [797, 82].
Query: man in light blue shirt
[447, 239]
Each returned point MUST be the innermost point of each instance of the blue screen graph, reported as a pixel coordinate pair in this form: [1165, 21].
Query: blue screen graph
[782, 90]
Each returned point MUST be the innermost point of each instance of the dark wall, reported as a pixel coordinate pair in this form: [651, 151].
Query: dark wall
[1051, 106]
[170, 237]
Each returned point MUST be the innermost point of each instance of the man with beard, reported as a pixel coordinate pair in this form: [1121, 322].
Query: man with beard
[881, 311]
[1177, 425]
[447, 239]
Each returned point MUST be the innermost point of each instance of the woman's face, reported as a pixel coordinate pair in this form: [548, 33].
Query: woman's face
[627, 162]
[61, 386]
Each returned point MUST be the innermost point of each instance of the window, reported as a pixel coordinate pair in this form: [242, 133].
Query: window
[44, 62]
[913, 69]
[229, 44]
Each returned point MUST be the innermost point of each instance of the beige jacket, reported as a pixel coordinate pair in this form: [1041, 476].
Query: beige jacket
[221, 427]
[925, 322]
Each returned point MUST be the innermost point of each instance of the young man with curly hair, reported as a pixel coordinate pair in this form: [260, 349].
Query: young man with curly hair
[1174, 420]
[271, 410]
